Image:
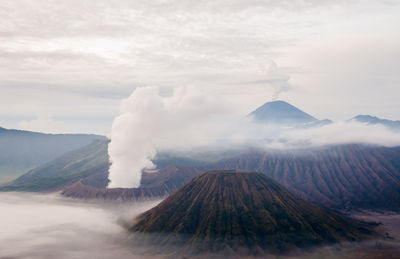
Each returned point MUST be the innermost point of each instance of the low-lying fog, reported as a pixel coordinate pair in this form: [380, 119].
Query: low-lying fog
[49, 226]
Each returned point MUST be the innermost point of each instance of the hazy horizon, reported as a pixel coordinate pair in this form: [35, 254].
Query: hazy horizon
[67, 72]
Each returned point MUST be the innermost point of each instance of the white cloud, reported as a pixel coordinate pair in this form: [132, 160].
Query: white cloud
[105, 49]
[341, 133]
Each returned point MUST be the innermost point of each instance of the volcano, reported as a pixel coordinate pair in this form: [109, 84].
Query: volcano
[241, 212]
[281, 112]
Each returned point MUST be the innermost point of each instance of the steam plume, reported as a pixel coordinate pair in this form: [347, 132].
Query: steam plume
[150, 122]
[192, 118]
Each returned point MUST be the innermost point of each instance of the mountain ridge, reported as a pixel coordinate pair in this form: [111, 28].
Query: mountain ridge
[22, 150]
[343, 176]
[64, 170]
[373, 120]
[173, 177]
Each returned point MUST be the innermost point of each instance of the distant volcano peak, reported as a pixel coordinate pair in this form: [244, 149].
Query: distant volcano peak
[281, 112]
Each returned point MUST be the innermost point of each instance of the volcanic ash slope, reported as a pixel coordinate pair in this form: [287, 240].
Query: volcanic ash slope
[239, 212]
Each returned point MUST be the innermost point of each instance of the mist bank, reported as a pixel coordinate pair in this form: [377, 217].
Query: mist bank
[49, 226]
[188, 118]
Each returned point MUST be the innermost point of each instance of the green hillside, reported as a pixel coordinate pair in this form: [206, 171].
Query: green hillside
[67, 169]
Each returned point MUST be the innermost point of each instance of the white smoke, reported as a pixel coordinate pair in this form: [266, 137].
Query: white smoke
[278, 80]
[149, 122]
[191, 118]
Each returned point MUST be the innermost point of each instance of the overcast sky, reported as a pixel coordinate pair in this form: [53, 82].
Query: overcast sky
[66, 64]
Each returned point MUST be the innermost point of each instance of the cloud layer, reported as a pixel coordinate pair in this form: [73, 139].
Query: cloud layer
[48, 226]
[76, 59]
